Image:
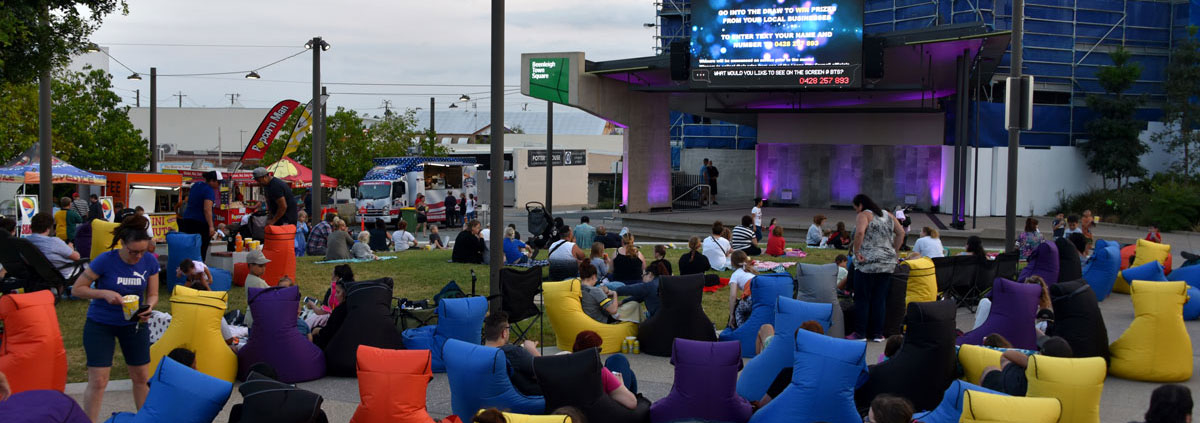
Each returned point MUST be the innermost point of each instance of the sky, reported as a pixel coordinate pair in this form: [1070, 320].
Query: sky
[380, 42]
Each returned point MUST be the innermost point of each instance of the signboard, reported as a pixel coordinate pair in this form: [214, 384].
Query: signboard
[163, 223]
[27, 207]
[537, 158]
[107, 212]
[777, 43]
[549, 79]
[271, 125]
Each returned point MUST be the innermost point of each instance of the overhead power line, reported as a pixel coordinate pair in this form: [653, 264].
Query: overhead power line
[198, 45]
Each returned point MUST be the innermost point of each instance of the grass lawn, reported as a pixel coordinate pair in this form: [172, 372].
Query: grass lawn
[416, 274]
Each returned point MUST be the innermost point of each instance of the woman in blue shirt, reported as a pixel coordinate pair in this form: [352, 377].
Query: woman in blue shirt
[128, 270]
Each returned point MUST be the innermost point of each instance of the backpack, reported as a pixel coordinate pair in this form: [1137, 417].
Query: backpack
[451, 290]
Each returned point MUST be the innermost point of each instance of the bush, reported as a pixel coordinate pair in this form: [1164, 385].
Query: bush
[1171, 202]
[1175, 205]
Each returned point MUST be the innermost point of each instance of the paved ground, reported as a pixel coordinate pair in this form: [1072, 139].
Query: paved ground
[1123, 400]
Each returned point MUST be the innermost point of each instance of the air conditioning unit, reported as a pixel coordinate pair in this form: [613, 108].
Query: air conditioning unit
[169, 149]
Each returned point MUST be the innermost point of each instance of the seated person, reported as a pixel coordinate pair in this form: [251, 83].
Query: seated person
[600, 259]
[316, 314]
[402, 239]
[1168, 404]
[56, 250]
[890, 347]
[256, 266]
[515, 251]
[843, 275]
[813, 239]
[598, 303]
[318, 237]
[776, 243]
[196, 273]
[520, 357]
[766, 334]
[1010, 377]
[379, 238]
[717, 248]
[840, 237]
[619, 381]
[610, 240]
[890, 409]
[693, 261]
[231, 334]
[337, 246]
[220, 233]
[435, 240]
[323, 334]
[183, 356]
[361, 250]
[469, 246]
[629, 264]
[660, 256]
[647, 291]
[739, 288]
[744, 239]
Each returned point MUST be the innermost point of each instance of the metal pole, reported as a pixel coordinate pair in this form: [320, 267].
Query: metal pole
[975, 190]
[549, 156]
[318, 139]
[432, 115]
[957, 146]
[964, 109]
[139, 97]
[153, 120]
[45, 146]
[496, 206]
[1014, 130]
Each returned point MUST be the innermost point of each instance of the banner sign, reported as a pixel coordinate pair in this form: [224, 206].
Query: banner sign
[107, 212]
[27, 207]
[163, 223]
[537, 158]
[270, 126]
[303, 126]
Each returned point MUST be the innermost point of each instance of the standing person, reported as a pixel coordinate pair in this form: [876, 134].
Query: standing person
[1072, 226]
[815, 233]
[471, 203]
[1153, 235]
[94, 208]
[451, 206]
[717, 248]
[127, 271]
[585, 234]
[319, 237]
[422, 209]
[280, 203]
[198, 214]
[69, 222]
[877, 237]
[743, 237]
[756, 212]
[930, 244]
[302, 231]
[712, 179]
[462, 208]
[704, 179]
[1059, 224]
[1087, 223]
[1030, 239]
[80, 205]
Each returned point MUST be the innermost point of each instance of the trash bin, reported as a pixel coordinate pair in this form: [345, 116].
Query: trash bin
[408, 214]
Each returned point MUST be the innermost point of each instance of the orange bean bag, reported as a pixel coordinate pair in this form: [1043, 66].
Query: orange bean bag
[280, 248]
[392, 385]
[239, 273]
[31, 351]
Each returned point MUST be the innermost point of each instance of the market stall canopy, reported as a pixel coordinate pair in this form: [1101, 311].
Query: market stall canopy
[24, 169]
[296, 174]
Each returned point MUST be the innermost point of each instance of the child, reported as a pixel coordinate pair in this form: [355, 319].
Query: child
[600, 260]
[362, 249]
[775, 242]
[1059, 225]
[739, 288]
[660, 256]
[195, 274]
[890, 347]
[256, 265]
[1154, 236]
[435, 240]
[843, 274]
[756, 213]
[1072, 226]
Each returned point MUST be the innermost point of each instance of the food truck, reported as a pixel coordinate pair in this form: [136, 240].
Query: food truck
[395, 182]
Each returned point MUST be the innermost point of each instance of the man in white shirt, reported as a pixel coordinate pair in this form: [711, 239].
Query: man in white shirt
[716, 248]
[56, 251]
[403, 239]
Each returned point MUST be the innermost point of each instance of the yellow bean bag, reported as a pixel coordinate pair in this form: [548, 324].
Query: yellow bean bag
[982, 407]
[974, 359]
[1156, 346]
[565, 311]
[102, 237]
[1076, 382]
[922, 282]
[524, 418]
[1145, 252]
[196, 325]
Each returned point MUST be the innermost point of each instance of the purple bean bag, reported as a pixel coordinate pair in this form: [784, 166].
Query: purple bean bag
[43, 406]
[1014, 306]
[1042, 262]
[705, 374]
[275, 340]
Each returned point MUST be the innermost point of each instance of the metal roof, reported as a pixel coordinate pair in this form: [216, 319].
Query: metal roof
[465, 120]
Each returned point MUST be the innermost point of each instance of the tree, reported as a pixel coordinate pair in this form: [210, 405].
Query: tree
[1113, 149]
[350, 146]
[402, 130]
[1181, 111]
[30, 43]
[88, 128]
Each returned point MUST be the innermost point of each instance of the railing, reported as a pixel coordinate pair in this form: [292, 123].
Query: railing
[689, 191]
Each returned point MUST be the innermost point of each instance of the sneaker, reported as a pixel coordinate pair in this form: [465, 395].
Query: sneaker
[878, 339]
[855, 337]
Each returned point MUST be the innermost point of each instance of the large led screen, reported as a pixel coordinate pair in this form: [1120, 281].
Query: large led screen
[776, 43]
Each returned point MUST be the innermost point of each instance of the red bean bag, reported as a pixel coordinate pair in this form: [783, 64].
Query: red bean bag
[392, 386]
[31, 350]
[280, 248]
[239, 273]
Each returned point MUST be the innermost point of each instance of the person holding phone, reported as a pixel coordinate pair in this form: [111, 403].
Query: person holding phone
[126, 271]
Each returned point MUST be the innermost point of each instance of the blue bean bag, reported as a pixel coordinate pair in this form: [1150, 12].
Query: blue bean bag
[274, 339]
[1152, 271]
[181, 246]
[950, 409]
[1043, 261]
[458, 318]
[703, 387]
[1014, 306]
[478, 378]
[826, 371]
[761, 371]
[763, 291]
[180, 394]
[1189, 274]
[1102, 268]
[42, 406]
[222, 279]
[1191, 309]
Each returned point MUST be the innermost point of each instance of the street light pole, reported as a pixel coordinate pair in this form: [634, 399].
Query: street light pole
[1014, 127]
[45, 146]
[496, 207]
[432, 115]
[153, 120]
[318, 133]
[550, 156]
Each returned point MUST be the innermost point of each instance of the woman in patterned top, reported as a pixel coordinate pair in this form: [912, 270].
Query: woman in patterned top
[877, 237]
[1030, 239]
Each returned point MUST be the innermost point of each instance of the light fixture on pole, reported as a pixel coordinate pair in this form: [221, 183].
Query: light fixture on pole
[453, 106]
[464, 97]
[92, 48]
[253, 75]
[324, 45]
[135, 77]
[649, 25]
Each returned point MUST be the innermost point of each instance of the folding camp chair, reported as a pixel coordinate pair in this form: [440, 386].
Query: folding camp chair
[1006, 265]
[943, 270]
[518, 288]
[972, 281]
[24, 261]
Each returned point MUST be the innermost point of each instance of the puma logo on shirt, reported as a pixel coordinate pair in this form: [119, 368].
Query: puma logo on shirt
[138, 281]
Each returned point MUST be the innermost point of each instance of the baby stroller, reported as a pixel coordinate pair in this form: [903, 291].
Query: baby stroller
[541, 226]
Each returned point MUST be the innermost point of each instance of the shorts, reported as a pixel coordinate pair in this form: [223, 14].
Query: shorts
[98, 343]
[421, 218]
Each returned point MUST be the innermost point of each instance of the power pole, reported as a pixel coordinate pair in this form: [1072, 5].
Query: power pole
[138, 102]
[232, 98]
[1014, 130]
[387, 107]
[496, 202]
[181, 96]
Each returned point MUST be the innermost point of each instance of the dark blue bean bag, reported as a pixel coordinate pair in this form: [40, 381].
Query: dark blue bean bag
[703, 388]
[1152, 271]
[761, 371]
[1043, 261]
[478, 378]
[764, 289]
[41, 406]
[1191, 309]
[181, 246]
[950, 409]
[1014, 306]
[458, 318]
[826, 371]
[179, 394]
[274, 339]
[1189, 274]
[1101, 269]
[222, 279]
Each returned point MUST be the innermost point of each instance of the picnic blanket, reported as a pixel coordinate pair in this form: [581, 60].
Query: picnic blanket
[771, 266]
[530, 264]
[717, 287]
[381, 258]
